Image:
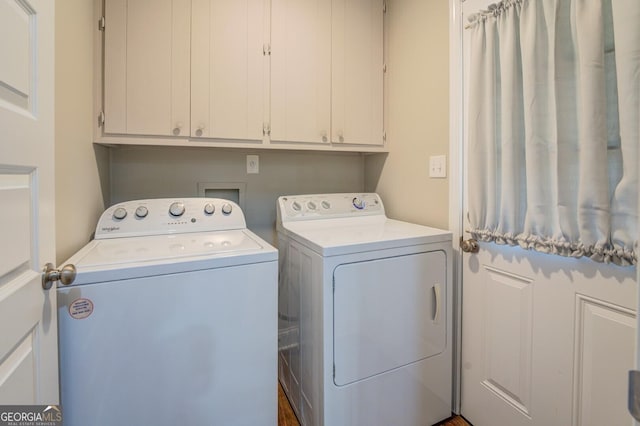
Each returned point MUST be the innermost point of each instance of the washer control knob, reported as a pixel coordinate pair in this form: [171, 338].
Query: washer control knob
[142, 212]
[227, 208]
[311, 205]
[326, 205]
[209, 208]
[176, 209]
[119, 213]
[359, 203]
[296, 206]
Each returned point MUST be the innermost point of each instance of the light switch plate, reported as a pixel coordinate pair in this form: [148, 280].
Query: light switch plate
[438, 166]
[253, 164]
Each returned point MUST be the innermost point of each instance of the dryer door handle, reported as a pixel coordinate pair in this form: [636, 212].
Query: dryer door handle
[437, 296]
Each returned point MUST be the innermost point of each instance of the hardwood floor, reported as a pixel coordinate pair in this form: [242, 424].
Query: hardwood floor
[286, 417]
[454, 421]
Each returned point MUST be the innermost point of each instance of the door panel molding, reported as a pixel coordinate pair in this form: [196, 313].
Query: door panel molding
[16, 224]
[18, 51]
[508, 317]
[599, 327]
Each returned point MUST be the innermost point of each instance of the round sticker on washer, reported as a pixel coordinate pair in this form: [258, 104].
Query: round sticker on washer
[81, 308]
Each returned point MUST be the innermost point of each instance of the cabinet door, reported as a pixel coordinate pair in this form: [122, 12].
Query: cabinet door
[357, 72]
[146, 67]
[300, 70]
[228, 69]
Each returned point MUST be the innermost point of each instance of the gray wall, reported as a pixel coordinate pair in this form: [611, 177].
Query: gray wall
[169, 172]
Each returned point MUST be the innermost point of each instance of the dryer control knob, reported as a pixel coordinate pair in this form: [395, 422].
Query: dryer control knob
[326, 205]
[119, 213]
[311, 205]
[296, 206]
[209, 208]
[142, 212]
[227, 208]
[359, 203]
[176, 209]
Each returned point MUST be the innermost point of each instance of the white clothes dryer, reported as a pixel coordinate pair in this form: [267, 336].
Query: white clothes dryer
[365, 313]
[171, 319]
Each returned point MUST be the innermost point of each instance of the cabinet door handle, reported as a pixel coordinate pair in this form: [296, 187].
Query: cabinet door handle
[199, 131]
[177, 129]
[324, 136]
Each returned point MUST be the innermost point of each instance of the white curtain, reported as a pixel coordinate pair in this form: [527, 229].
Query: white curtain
[553, 126]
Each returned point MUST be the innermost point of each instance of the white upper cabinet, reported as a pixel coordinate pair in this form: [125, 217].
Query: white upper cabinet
[288, 74]
[357, 72]
[327, 71]
[228, 69]
[300, 71]
[147, 74]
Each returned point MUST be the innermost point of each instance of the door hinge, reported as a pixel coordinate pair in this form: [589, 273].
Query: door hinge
[266, 49]
[633, 402]
[384, 136]
[384, 7]
[266, 129]
[101, 24]
[384, 68]
[101, 119]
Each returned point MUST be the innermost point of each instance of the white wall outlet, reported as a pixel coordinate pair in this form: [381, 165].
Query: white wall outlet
[253, 164]
[438, 166]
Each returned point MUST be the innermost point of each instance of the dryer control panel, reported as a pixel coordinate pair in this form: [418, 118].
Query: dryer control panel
[328, 206]
[169, 216]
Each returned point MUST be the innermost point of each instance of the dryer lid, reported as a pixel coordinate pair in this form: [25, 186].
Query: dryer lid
[332, 237]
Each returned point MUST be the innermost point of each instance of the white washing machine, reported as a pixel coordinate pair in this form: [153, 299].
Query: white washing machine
[365, 313]
[171, 319]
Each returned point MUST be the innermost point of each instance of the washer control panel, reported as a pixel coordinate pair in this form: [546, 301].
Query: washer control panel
[326, 206]
[169, 216]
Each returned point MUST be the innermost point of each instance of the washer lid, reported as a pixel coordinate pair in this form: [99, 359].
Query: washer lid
[123, 258]
[158, 247]
[332, 237]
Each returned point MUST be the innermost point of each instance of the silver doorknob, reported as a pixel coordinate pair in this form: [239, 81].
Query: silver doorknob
[469, 246]
[66, 275]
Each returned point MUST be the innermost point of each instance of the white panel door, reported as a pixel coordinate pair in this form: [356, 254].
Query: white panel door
[228, 69]
[146, 67]
[546, 340]
[300, 71]
[357, 72]
[28, 325]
